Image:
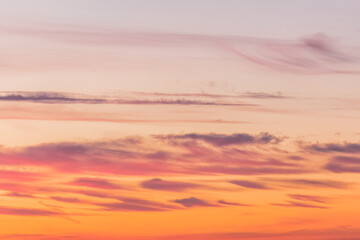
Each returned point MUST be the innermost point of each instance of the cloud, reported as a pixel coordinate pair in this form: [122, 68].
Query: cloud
[225, 140]
[232, 203]
[193, 202]
[336, 233]
[335, 147]
[95, 183]
[49, 97]
[122, 157]
[136, 204]
[343, 164]
[249, 184]
[317, 54]
[181, 102]
[19, 195]
[40, 237]
[122, 203]
[347, 160]
[26, 212]
[256, 95]
[162, 185]
[70, 106]
[21, 175]
[62, 113]
[238, 170]
[105, 157]
[71, 98]
[68, 200]
[298, 204]
[90, 193]
[130, 207]
[312, 183]
[309, 198]
[263, 95]
[14, 186]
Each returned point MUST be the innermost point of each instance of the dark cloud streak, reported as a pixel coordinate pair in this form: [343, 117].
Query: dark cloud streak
[225, 140]
[67, 98]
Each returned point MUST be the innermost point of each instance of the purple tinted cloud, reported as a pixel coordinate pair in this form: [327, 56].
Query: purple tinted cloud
[263, 95]
[256, 95]
[232, 203]
[19, 195]
[335, 147]
[68, 200]
[314, 183]
[49, 97]
[313, 55]
[317, 54]
[308, 198]
[130, 158]
[249, 184]
[26, 212]
[68, 98]
[159, 184]
[193, 202]
[298, 204]
[225, 140]
[95, 183]
[238, 170]
[136, 204]
[130, 207]
[343, 164]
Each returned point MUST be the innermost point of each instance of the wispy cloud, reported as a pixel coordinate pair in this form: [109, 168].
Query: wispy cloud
[127, 158]
[249, 184]
[27, 212]
[343, 164]
[256, 95]
[101, 167]
[95, 183]
[312, 55]
[162, 185]
[336, 233]
[48, 97]
[135, 204]
[130, 207]
[68, 199]
[19, 195]
[232, 203]
[335, 147]
[311, 183]
[68, 98]
[315, 54]
[299, 204]
[264, 95]
[309, 198]
[194, 202]
[224, 140]
[70, 106]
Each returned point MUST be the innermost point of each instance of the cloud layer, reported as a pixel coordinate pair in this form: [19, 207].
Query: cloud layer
[311, 55]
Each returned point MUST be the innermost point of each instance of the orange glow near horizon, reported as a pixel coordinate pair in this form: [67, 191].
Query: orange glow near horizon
[181, 120]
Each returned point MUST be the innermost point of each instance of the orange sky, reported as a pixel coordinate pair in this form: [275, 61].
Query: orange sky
[189, 120]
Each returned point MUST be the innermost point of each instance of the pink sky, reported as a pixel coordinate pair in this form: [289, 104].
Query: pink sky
[179, 120]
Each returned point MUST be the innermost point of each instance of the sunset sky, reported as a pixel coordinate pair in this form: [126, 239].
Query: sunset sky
[179, 120]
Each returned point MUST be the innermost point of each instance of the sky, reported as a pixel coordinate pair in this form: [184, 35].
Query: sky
[179, 120]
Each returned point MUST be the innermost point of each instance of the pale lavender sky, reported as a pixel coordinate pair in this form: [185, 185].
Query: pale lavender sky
[276, 18]
[212, 119]
[303, 48]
